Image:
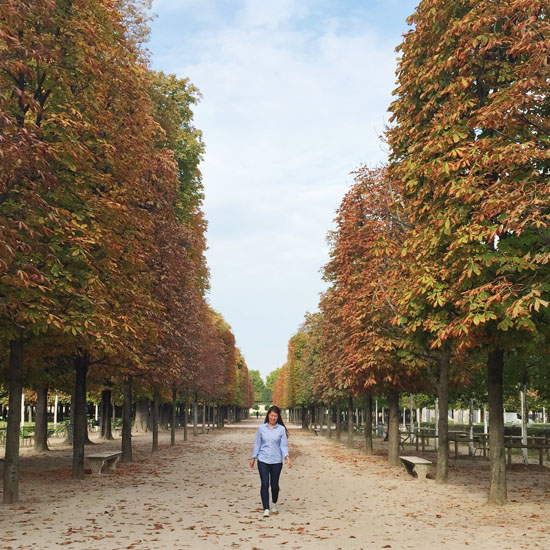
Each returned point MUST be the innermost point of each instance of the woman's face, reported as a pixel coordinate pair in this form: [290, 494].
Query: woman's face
[273, 417]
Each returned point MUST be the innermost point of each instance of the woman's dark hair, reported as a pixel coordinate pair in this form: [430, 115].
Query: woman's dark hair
[276, 409]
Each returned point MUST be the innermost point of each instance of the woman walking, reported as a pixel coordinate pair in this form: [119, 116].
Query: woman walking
[271, 448]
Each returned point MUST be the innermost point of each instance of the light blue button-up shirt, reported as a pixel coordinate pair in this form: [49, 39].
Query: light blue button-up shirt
[271, 444]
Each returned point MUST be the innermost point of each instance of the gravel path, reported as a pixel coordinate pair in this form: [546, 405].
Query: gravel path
[201, 494]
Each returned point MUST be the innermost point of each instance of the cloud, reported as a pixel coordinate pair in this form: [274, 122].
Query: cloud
[294, 98]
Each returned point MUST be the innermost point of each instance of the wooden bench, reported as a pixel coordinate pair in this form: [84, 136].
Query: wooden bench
[206, 429]
[416, 466]
[108, 459]
[512, 445]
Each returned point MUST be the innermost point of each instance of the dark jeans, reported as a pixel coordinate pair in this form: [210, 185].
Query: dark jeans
[268, 471]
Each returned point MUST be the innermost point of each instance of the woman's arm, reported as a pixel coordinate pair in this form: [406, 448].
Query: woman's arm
[256, 449]
[284, 448]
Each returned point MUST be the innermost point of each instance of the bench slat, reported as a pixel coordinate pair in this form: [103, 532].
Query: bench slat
[415, 460]
[105, 454]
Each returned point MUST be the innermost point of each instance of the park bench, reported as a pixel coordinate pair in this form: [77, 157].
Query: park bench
[107, 459]
[206, 429]
[416, 466]
[423, 437]
[481, 444]
[58, 431]
[27, 436]
[509, 445]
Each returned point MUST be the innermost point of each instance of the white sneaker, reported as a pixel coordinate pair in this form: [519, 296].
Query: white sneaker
[266, 513]
[274, 509]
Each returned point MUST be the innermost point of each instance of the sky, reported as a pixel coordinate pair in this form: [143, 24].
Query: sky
[294, 98]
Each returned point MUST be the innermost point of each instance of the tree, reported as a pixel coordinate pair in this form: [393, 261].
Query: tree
[469, 147]
[364, 350]
[257, 385]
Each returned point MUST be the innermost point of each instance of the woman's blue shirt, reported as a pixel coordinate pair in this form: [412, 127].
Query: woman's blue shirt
[270, 445]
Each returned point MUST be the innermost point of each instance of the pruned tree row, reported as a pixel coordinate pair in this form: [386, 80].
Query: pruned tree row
[102, 237]
[439, 261]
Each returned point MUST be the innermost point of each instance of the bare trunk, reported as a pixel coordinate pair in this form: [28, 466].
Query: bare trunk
[393, 429]
[471, 428]
[497, 475]
[41, 426]
[173, 422]
[127, 420]
[368, 426]
[155, 419]
[524, 419]
[165, 413]
[141, 423]
[329, 421]
[106, 415]
[70, 427]
[80, 425]
[11, 458]
[338, 422]
[350, 421]
[195, 415]
[442, 471]
[185, 415]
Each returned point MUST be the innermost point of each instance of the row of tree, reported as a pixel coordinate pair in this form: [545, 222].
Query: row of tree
[439, 260]
[102, 236]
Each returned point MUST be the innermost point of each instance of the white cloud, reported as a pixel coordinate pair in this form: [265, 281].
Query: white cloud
[293, 100]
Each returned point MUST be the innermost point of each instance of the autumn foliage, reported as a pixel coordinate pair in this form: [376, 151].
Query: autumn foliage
[102, 236]
[442, 256]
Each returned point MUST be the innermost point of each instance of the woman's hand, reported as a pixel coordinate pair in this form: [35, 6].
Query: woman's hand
[252, 461]
[289, 462]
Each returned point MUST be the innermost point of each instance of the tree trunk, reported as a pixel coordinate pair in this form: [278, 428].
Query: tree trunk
[338, 422]
[497, 475]
[471, 428]
[173, 422]
[185, 415]
[141, 424]
[127, 420]
[368, 426]
[350, 421]
[524, 420]
[195, 415]
[41, 426]
[442, 471]
[80, 425]
[204, 417]
[329, 421]
[165, 414]
[70, 427]
[106, 415]
[11, 458]
[155, 419]
[304, 419]
[393, 429]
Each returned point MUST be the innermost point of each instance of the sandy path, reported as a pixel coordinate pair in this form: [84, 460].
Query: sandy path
[201, 494]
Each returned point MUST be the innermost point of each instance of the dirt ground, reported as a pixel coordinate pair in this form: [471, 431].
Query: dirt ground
[202, 494]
